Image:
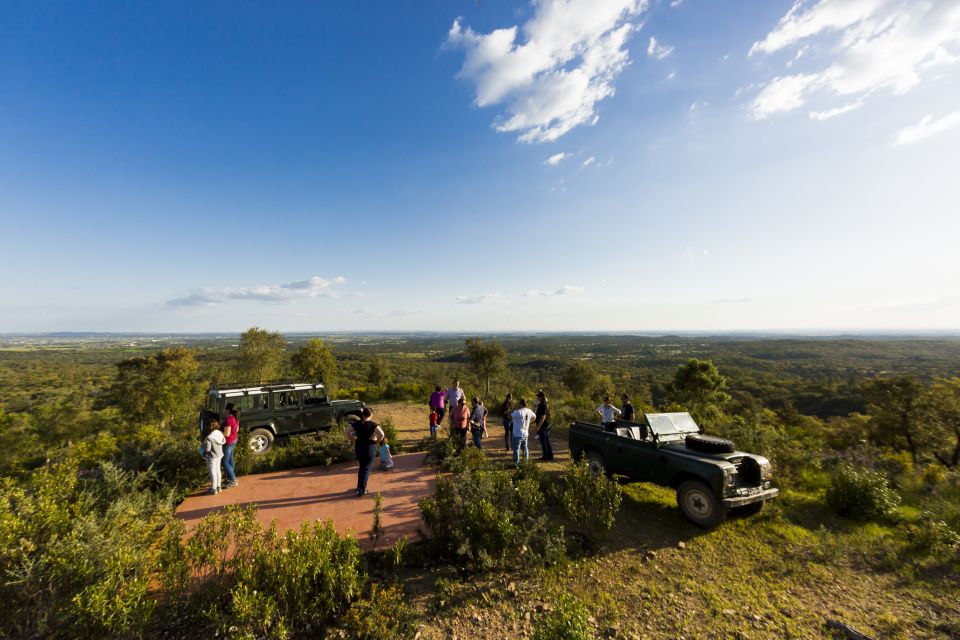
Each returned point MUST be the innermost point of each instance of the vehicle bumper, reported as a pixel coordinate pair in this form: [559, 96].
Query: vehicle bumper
[760, 496]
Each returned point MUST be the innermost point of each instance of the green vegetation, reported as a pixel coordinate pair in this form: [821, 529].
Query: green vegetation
[99, 443]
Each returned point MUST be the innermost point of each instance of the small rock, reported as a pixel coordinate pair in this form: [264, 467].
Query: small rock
[729, 612]
[681, 545]
[757, 617]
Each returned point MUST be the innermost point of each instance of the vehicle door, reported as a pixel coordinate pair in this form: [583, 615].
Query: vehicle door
[286, 412]
[633, 457]
[317, 411]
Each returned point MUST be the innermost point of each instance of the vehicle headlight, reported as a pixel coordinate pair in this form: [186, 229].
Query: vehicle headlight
[729, 477]
[766, 471]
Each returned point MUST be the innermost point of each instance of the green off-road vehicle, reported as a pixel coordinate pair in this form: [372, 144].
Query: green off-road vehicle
[278, 409]
[710, 476]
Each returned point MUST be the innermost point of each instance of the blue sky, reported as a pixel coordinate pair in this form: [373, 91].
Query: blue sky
[480, 166]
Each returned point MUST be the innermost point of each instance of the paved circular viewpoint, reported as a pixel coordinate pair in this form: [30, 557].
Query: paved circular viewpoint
[318, 493]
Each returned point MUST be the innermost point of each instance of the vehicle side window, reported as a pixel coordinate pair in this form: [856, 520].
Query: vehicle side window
[285, 400]
[313, 397]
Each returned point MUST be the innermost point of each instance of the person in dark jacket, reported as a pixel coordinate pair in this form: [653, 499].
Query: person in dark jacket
[506, 411]
[627, 412]
[543, 426]
[365, 434]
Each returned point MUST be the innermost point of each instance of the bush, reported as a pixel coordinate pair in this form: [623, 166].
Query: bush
[861, 494]
[322, 448]
[382, 615]
[482, 519]
[255, 582]
[569, 620]
[76, 553]
[589, 503]
[392, 435]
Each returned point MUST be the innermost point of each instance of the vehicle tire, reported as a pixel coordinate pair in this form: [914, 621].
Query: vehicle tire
[260, 441]
[597, 465]
[709, 444]
[699, 505]
[748, 510]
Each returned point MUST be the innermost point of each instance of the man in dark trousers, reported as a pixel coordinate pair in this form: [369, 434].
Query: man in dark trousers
[365, 434]
[543, 426]
[627, 411]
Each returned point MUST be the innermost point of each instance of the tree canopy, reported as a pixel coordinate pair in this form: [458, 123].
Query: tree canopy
[261, 355]
[315, 361]
[487, 359]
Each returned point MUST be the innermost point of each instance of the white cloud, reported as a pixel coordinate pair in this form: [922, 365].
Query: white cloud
[657, 50]
[927, 127]
[589, 161]
[838, 111]
[314, 287]
[550, 79]
[675, 3]
[556, 159]
[485, 298]
[872, 45]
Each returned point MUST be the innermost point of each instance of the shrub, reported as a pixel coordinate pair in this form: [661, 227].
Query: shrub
[392, 435]
[482, 519]
[322, 448]
[440, 452]
[589, 503]
[861, 494]
[382, 615]
[568, 620]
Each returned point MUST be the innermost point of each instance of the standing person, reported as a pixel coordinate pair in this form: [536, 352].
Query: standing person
[627, 412]
[231, 432]
[434, 423]
[365, 434]
[506, 411]
[522, 418]
[543, 426]
[213, 454]
[455, 395]
[478, 422]
[608, 414]
[459, 420]
[436, 402]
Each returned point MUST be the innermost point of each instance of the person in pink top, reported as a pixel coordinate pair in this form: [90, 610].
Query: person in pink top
[436, 402]
[231, 431]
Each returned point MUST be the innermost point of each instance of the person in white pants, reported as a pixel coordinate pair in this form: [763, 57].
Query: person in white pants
[213, 454]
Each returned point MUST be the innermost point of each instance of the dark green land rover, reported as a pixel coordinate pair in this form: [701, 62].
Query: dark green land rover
[277, 409]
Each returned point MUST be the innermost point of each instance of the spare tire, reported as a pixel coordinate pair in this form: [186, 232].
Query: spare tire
[708, 444]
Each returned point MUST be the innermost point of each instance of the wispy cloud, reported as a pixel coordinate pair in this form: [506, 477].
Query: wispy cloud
[314, 287]
[556, 159]
[838, 111]
[486, 298]
[550, 78]
[926, 128]
[871, 45]
[657, 50]
[589, 161]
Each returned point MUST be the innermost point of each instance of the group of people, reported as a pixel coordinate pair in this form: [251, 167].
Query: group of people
[517, 420]
[610, 415]
[217, 449]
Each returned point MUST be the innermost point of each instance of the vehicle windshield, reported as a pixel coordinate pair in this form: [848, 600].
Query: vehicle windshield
[671, 425]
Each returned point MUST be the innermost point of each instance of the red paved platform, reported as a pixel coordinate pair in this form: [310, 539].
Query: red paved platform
[317, 493]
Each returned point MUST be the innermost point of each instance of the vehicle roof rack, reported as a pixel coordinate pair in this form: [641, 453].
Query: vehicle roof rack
[271, 384]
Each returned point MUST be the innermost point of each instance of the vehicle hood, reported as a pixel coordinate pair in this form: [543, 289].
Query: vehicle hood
[346, 403]
[682, 448]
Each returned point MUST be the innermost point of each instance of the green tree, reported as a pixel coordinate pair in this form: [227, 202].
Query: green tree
[158, 388]
[580, 377]
[895, 419]
[379, 373]
[698, 386]
[940, 408]
[315, 361]
[487, 359]
[261, 355]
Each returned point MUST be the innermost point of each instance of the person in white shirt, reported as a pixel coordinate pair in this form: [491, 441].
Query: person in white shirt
[212, 451]
[454, 395]
[522, 418]
[608, 414]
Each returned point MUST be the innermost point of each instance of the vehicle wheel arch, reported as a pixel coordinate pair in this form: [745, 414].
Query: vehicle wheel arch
[682, 476]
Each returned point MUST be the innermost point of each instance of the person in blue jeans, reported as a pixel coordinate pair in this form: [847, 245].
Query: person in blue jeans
[543, 426]
[478, 423]
[365, 434]
[522, 418]
[231, 432]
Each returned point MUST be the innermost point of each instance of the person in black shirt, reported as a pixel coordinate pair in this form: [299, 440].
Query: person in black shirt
[543, 426]
[627, 411]
[365, 434]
